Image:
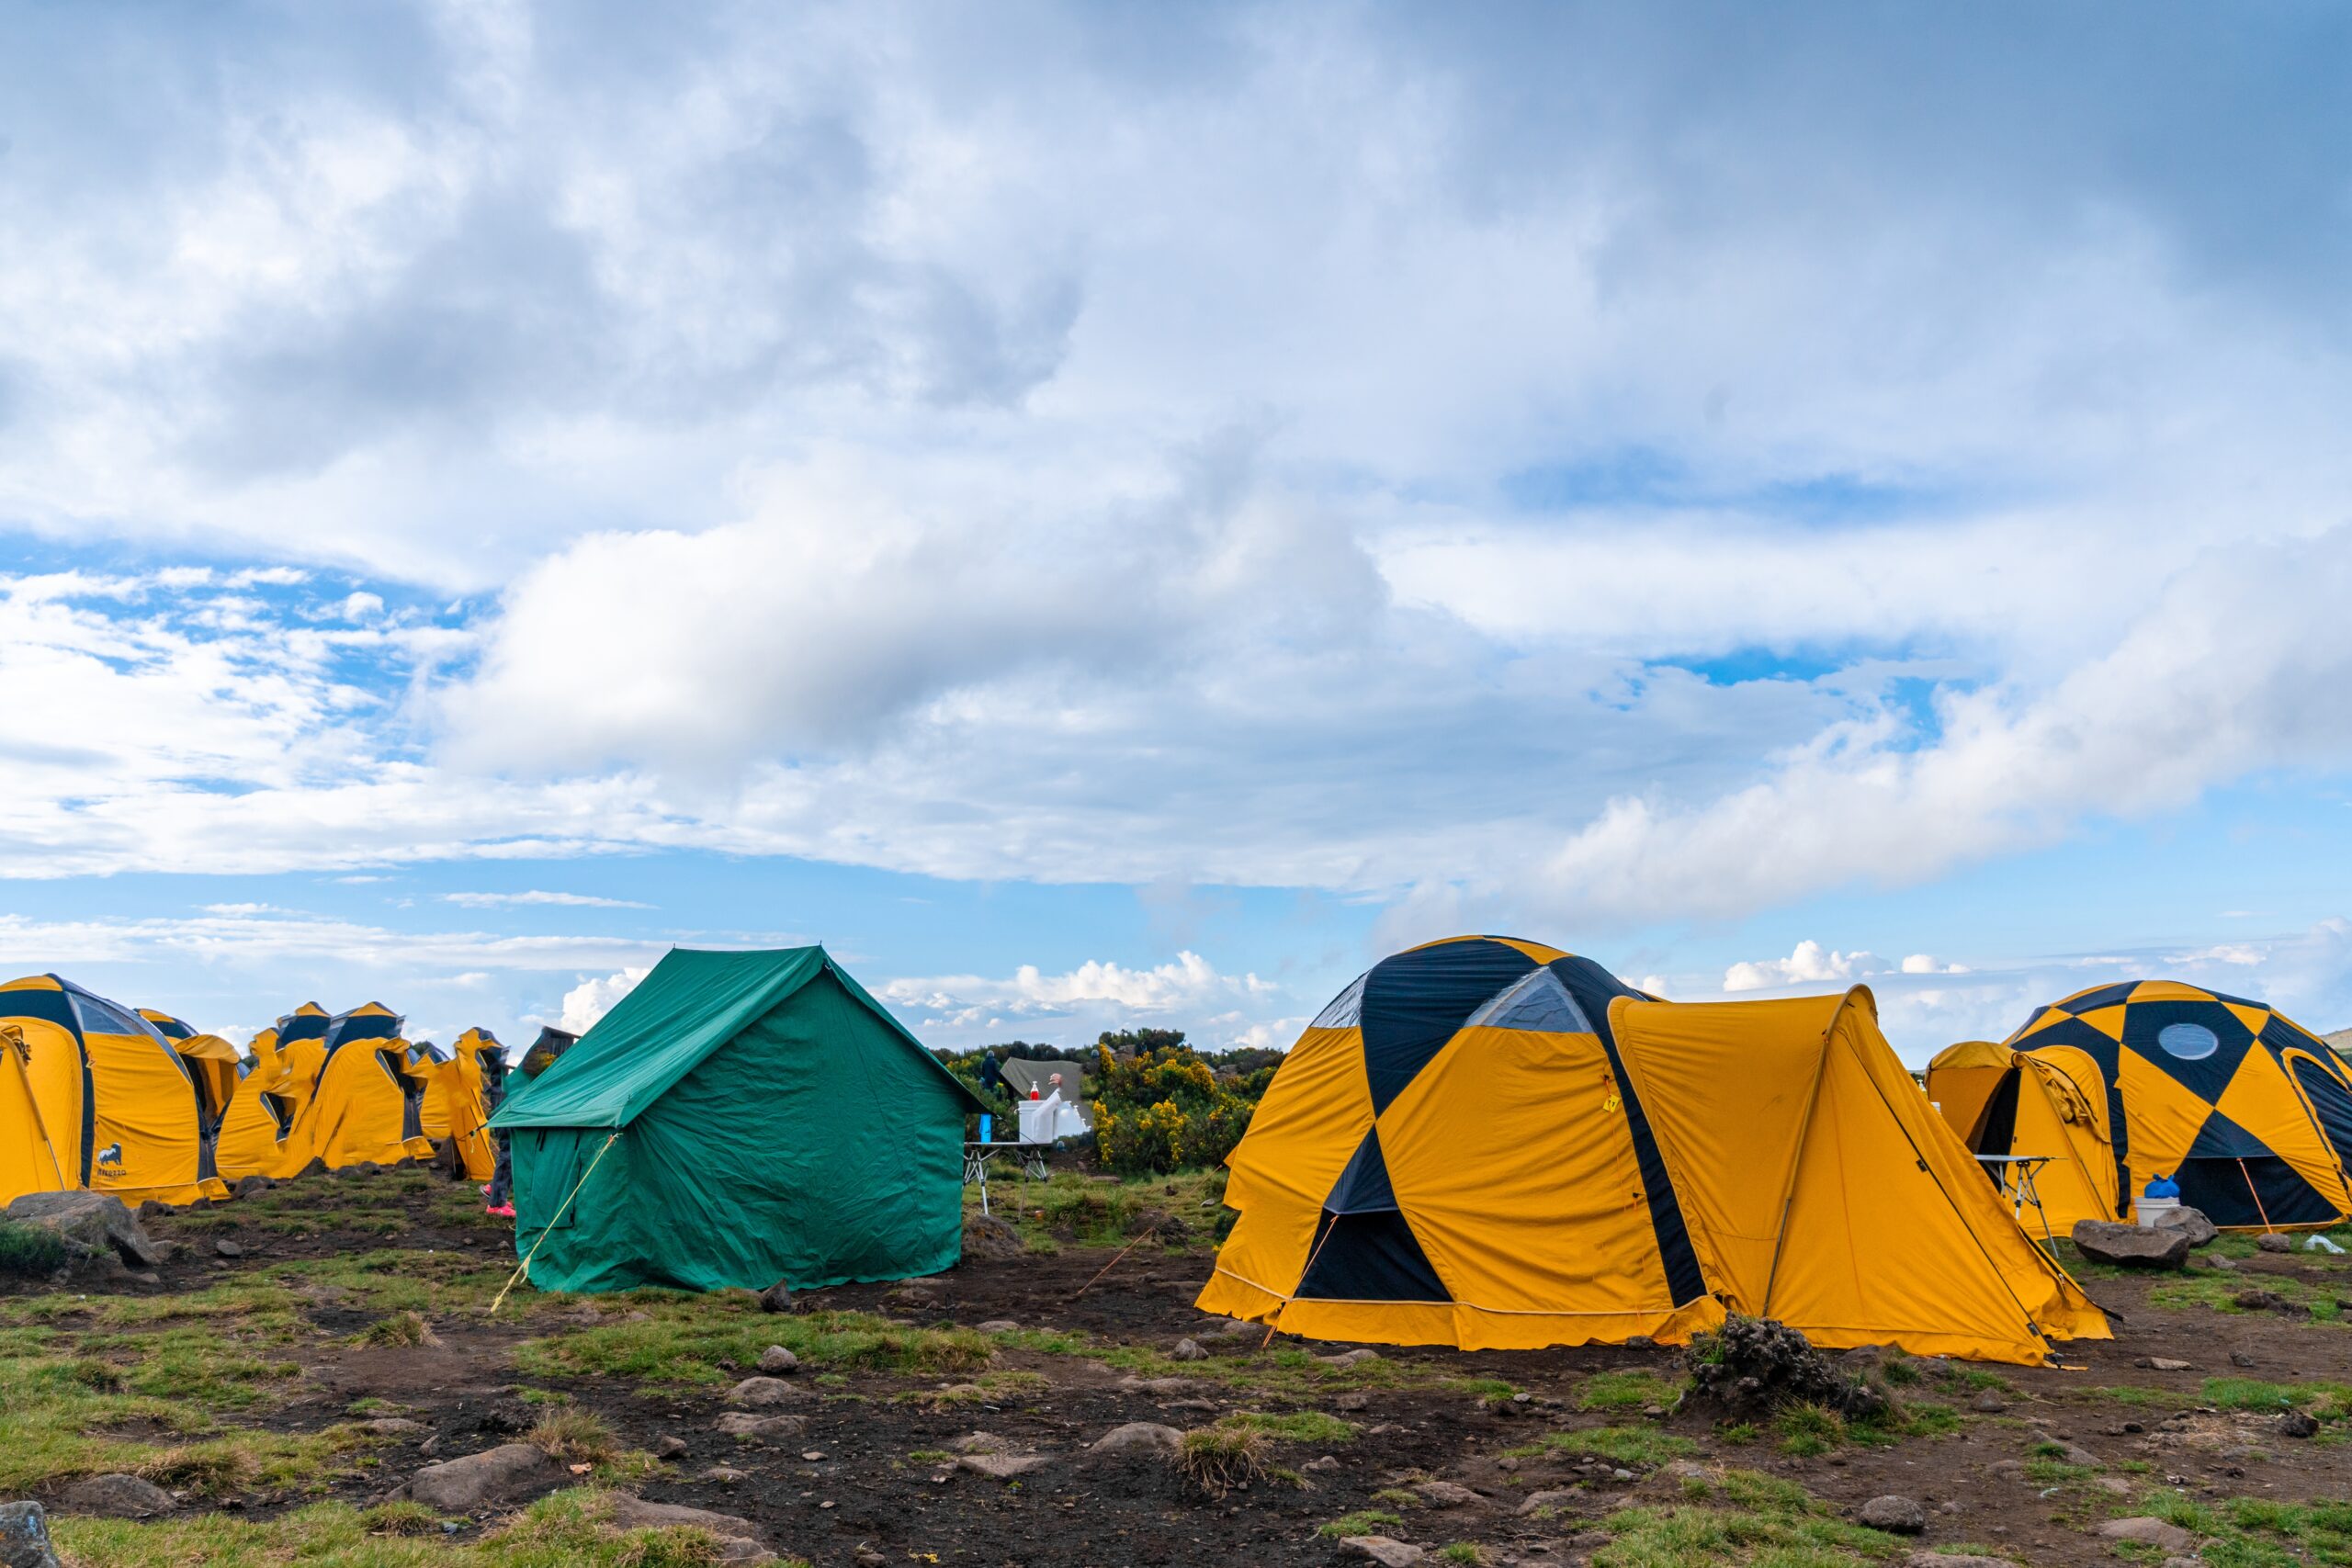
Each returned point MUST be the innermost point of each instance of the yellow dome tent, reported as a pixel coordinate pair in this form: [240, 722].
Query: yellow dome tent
[31, 1158]
[369, 1105]
[118, 1104]
[432, 1064]
[211, 1062]
[1491, 1143]
[462, 1088]
[2247, 1111]
[302, 1044]
[257, 1133]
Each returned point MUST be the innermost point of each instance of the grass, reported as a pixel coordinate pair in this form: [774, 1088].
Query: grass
[1626, 1391]
[1643, 1446]
[2327, 1402]
[29, 1252]
[1221, 1458]
[1808, 1429]
[1105, 1213]
[2257, 1532]
[1298, 1427]
[1751, 1519]
[719, 1338]
[1365, 1521]
[567, 1528]
[1463, 1551]
[574, 1436]
[399, 1328]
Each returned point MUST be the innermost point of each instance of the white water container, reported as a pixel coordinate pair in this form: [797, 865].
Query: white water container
[1038, 1118]
[2145, 1208]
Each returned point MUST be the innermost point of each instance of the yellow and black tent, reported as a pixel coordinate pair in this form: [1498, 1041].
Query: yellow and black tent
[32, 1158]
[1491, 1143]
[462, 1088]
[211, 1062]
[118, 1103]
[2247, 1111]
[369, 1105]
[257, 1133]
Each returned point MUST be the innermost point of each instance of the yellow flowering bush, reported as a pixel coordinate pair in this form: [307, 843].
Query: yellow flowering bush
[1163, 1109]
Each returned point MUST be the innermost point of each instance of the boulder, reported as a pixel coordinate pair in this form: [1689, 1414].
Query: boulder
[1002, 1467]
[227, 1248]
[988, 1239]
[1988, 1403]
[2148, 1530]
[1447, 1495]
[776, 1298]
[1559, 1500]
[2130, 1246]
[776, 1360]
[508, 1473]
[1145, 1436]
[1188, 1350]
[762, 1392]
[745, 1424]
[118, 1498]
[2298, 1424]
[1894, 1514]
[91, 1221]
[1380, 1549]
[2201, 1229]
[24, 1537]
[669, 1446]
[739, 1539]
[253, 1184]
[2271, 1241]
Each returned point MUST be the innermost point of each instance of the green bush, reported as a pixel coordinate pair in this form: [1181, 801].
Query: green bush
[30, 1252]
[1164, 1111]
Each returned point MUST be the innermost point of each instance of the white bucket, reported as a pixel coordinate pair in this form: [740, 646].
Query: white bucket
[2146, 1209]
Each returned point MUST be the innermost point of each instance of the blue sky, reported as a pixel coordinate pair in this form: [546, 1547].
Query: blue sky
[1108, 516]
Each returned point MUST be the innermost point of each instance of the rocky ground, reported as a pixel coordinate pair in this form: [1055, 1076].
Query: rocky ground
[313, 1374]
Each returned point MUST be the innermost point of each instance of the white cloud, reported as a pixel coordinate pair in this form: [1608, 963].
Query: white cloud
[1069, 1008]
[1810, 964]
[564, 900]
[593, 997]
[1924, 963]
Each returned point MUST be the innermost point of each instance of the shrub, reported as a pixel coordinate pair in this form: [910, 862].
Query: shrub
[30, 1252]
[1163, 1110]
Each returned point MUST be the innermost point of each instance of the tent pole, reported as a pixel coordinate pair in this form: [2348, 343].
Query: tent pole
[2258, 1208]
[40, 1123]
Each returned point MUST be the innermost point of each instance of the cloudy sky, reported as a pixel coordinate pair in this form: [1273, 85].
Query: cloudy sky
[1112, 514]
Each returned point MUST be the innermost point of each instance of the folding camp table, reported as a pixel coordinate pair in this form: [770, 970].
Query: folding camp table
[977, 1156]
[2021, 1190]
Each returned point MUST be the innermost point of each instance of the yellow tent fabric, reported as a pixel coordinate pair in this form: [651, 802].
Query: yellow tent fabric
[2231, 1098]
[211, 1062]
[32, 1159]
[258, 1129]
[117, 1100]
[1491, 1143]
[432, 1064]
[302, 1044]
[461, 1088]
[368, 1106]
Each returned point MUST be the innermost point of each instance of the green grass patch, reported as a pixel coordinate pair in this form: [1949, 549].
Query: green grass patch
[1809, 1429]
[688, 1343]
[1620, 1445]
[29, 1252]
[1760, 1521]
[1626, 1391]
[1297, 1426]
[1365, 1521]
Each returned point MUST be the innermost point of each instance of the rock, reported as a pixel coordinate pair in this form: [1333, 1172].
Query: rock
[762, 1391]
[989, 1239]
[120, 1497]
[227, 1248]
[2240, 1359]
[1381, 1550]
[2263, 1300]
[669, 1446]
[724, 1474]
[1894, 1514]
[776, 1360]
[1350, 1358]
[1447, 1495]
[1754, 1366]
[2148, 1530]
[253, 1185]
[2271, 1241]
[2192, 1221]
[24, 1537]
[1322, 1462]
[2115, 1485]
[1161, 1387]
[1988, 1403]
[1559, 1501]
[980, 1443]
[392, 1426]
[1148, 1435]
[2298, 1424]
[2226, 1265]
[1954, 1560]
[2130, 1246]
[1683, 1469]
[93, 1222]
[743, 1424]
[2006, 1469]
[510, 1471]
[1358, 1399]
[2076, 1454]
[1002, 1467]
[776, 1298]
[1188, 1350]
[2165, 1364]
[999, 1325]
[739, 1539]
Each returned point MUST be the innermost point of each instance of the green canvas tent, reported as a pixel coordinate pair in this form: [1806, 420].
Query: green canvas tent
[738, 1119]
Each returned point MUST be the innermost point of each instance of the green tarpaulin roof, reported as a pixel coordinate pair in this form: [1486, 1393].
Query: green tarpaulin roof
[691, 1004]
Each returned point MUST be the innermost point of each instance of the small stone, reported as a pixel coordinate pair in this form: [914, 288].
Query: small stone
[1621, 1474]
[2006, 1469]
[2076, 1454]
[1557, 1500]
[764, 1390]
[1322, 1462]
[1188, 1350]
[1447, 1495]
[669, 1447]
[776, 1298]
[2165, 1364]
[2298, 1424]
[1355, 1401]
[1002, 1467]
[1350, 1358]
[227, 1248]
[981, 1443]
[392, 1426]
[1147, 1436]
[24, 1537]
[253, 1184]
[2240, 1359]
[2273, 1242]
[775, 1361]
[2149, 1531]
[118, 1498]
[1380, 1549]
[725, 1474]
[812, 1455]
[508, 1473]
[999, 1325]
[1988, 1403]
[2112, 1483]
[2226, 1265]
[760, 1428]
[1895, 1514]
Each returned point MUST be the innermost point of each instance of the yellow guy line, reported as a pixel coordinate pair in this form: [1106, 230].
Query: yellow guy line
[526, 1264]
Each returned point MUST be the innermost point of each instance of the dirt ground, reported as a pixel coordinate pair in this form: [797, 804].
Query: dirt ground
[2021, 1462]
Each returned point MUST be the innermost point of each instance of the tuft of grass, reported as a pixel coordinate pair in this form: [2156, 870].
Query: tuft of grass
[574, 1436]
[1808, 1429]
[399, 1328]
[30, 1252]
[1465, 1551]
[1221, 1458]
[1760, 1520]
[401, 1518]
[1365, 1521]
[1298, 1427]
[1626, 1391]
